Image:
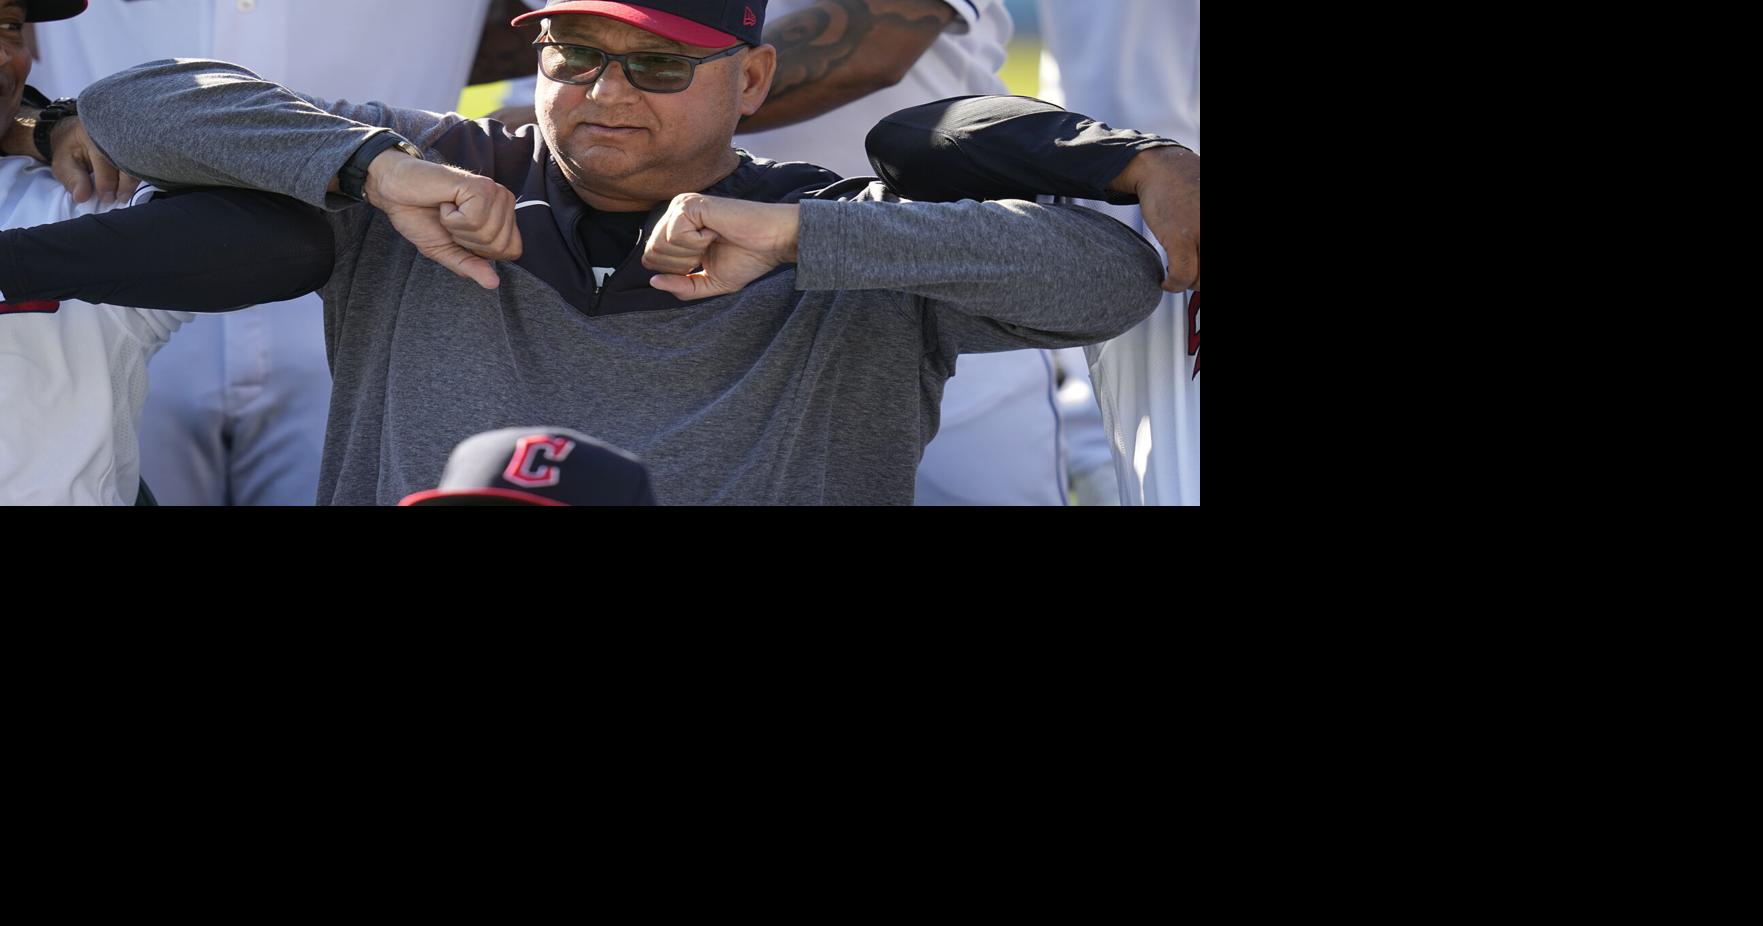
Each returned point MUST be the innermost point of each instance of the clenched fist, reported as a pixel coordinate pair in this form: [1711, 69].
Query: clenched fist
[457, 219]
[708, 246]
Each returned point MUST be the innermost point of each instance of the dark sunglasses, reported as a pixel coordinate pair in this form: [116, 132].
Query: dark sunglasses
[650, 71]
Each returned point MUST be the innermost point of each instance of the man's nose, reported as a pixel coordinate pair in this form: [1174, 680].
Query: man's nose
[612, 86]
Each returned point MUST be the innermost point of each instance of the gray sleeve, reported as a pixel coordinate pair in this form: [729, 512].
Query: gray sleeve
[992, 275]
[192, 122]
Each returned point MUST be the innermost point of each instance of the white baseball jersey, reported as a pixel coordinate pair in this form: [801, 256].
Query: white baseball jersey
[72, 383]
[239, 401]
[1135, 64]
[410, 53]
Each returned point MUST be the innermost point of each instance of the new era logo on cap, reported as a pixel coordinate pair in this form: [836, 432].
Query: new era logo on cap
[538, 466]
[706, 23]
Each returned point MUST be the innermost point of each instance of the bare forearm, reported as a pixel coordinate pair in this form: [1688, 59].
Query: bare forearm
[838, 51]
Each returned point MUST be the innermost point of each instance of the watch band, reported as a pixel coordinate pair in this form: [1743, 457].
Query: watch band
[51, 114]
[352, 178]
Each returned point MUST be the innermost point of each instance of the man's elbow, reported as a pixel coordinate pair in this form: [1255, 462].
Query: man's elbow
[889, 72]
[1138, 293]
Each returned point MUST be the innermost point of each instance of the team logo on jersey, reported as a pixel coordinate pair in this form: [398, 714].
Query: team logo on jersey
[525, 468]
[1194, 333]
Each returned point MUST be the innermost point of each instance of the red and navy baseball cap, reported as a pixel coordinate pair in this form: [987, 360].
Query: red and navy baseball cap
[538, 466]
[708, 23]
[42, 11]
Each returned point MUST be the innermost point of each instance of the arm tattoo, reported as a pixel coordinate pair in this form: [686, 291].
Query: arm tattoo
[818, 41]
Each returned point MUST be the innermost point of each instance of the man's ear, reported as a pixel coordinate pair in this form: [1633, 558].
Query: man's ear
[758, 66]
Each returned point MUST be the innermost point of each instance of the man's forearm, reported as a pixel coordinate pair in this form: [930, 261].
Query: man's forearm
[990, 147]
[1049, 276]
[203, 251]
[839, 51]
[999, 147]
[209, 123]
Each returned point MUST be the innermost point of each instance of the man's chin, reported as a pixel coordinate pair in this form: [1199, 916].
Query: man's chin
[605, 161]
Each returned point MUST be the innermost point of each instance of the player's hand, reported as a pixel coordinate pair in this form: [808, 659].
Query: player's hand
[1167, 183]
[457, 219]
[83, 169]
[708, 246]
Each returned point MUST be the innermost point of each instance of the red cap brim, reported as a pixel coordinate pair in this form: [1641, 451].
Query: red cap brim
[441, 496]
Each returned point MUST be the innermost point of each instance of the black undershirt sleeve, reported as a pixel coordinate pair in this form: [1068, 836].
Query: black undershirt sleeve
[210, 250]
[1001, 147]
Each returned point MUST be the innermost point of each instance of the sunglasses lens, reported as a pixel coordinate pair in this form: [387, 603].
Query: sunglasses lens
[655, 72]
[660, 73]
[571, 62]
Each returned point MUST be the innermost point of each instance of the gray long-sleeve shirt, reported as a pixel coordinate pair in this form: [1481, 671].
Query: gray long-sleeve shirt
[817, 384]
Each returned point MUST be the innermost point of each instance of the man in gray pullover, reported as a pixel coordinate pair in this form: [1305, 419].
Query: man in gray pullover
[803, 364]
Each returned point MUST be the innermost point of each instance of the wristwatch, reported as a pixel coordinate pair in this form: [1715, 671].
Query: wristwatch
[353, 175]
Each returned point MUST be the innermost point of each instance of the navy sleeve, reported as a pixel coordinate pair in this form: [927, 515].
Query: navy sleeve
[1001, 147]
[207, 250]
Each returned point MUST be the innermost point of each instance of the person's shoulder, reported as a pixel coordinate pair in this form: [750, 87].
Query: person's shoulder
[468, 138]
[764, 180]
[502, 152]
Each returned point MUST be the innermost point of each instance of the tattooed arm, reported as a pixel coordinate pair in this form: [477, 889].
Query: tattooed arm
[837, 51]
